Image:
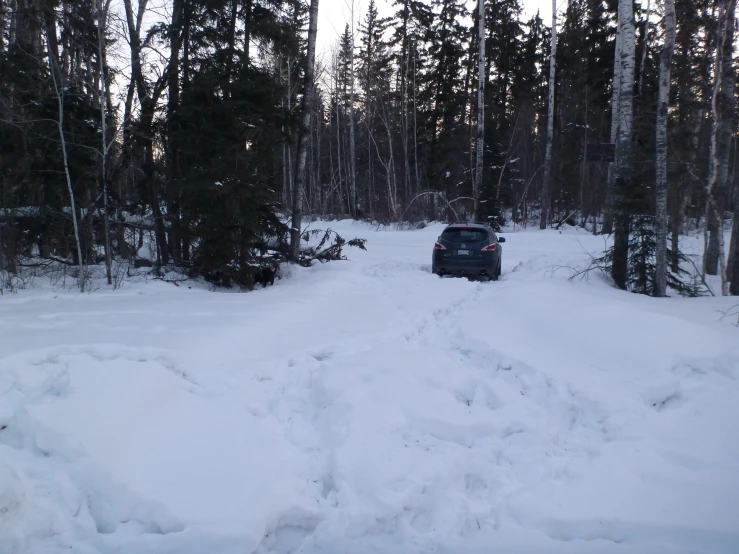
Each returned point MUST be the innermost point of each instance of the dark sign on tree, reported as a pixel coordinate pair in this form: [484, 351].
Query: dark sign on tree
[605, 152]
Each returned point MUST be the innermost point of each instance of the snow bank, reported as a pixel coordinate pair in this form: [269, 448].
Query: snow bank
[369, 406]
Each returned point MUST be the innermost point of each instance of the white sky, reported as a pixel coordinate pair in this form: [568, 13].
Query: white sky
[334, 14]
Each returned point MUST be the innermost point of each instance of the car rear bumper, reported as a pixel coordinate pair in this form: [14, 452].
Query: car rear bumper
[455, 267]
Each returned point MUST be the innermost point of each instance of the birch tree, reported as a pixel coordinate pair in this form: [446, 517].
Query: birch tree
[721, 147]
[352, 149]
[663, 103]
[718, 168]
[480, 141]
[615, 106]
[619, 267]
[546, 189]
[102, 16]
[732, 266]
[645, 45]
[304, 137]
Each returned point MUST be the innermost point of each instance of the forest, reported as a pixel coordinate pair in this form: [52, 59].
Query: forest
[209, 130]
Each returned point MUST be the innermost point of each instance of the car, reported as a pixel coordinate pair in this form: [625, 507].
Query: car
[469, 250]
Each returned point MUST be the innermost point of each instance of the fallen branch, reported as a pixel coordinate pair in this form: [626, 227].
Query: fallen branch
[732, 311]
[61, 261]
[331, 253]
[566, 217]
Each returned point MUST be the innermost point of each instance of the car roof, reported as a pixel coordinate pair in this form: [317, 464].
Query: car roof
[467, 226]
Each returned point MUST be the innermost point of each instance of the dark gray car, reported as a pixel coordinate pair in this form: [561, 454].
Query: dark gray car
[471, 250]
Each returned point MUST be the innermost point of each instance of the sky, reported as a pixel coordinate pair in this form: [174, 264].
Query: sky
[333, 15]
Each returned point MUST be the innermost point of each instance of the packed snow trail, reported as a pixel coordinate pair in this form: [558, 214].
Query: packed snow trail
[369, 406]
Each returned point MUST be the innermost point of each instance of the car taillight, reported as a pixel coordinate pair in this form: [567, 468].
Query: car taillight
[489, 248]
[438, 246]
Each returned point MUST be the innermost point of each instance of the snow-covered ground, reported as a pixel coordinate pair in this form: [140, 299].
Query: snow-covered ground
[368, 406]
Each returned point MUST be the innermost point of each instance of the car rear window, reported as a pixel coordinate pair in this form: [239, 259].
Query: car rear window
[459, 235]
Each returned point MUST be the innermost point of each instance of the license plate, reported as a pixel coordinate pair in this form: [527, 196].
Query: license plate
[463, 252]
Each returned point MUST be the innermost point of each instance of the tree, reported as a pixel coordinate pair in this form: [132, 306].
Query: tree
[305, 118]
[148, 95]
[106, 141]
[547, 186]
[720, 143]
[480, 137]
[732, 266]
[59, 88]
[722, 116]
[619, 268]
[447, 164]
[615, 122]
[374, 78]
[661, 154]
[503, 50]
[352, 147]
[426, 117]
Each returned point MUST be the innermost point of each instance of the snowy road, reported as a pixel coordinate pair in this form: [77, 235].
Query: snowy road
[368, 406]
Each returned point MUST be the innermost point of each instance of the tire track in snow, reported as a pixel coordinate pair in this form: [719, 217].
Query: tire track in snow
[430, 331]
[538, 417]
[314, 417]
[557, 427]
[418, 327]
[557, 422]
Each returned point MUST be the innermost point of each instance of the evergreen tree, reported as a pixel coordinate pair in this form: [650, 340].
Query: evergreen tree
[504, 47]
[374, 74]
[447, 129]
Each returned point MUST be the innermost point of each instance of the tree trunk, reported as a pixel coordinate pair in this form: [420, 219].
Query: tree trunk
[714, 211]
[391, 181]
[663, 102]
[725, 113]
[290, 177]
[102, 95]
[404, 129]
[619, 268]
[173, 87]
[308, 91]
[732, 269]
[247, 32]
[615, 106]
[583, 168]
[480, 141]
[319, 182]
[339, 161]
[405, 47]
[546, 189]
[645, 36]
[415, 123]
[59, 91]
[3, 23]
[148, 98]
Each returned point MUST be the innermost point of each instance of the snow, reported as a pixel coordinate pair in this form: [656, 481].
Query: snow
[145, 253]
[368, 406]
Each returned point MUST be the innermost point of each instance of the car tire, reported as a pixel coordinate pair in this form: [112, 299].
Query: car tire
[496, 273]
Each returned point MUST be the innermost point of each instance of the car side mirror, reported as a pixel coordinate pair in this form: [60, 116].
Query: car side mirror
[501, 239]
